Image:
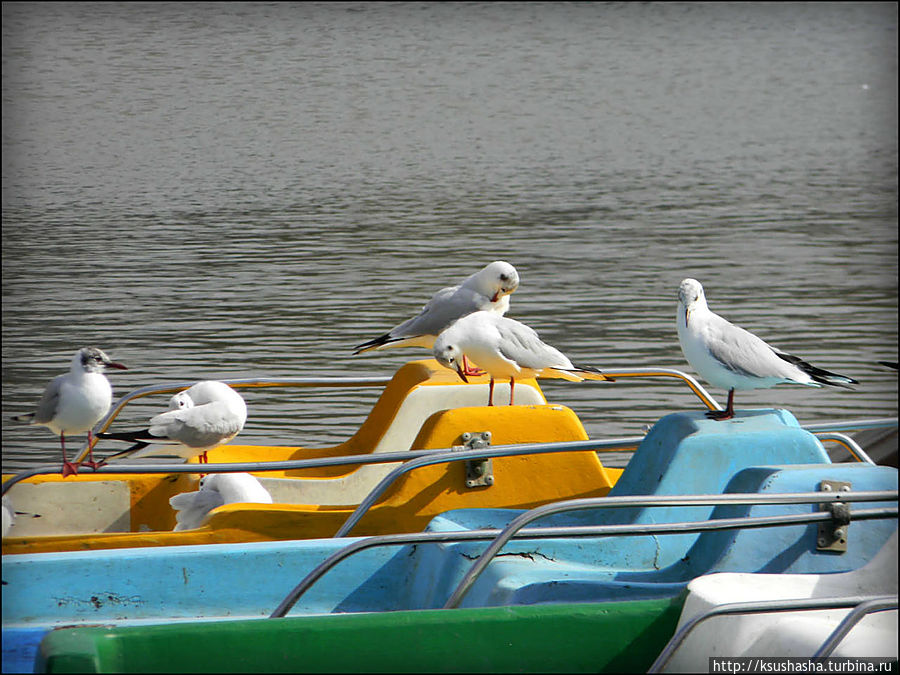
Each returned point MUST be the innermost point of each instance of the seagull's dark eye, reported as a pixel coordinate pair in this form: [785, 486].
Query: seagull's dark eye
[504, 277]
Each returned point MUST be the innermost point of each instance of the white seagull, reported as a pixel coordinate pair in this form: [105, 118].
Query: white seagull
[730, 357]
[215, 490]
[205, 415]
[487, 289]
[75, 402]
[9, 516]
[504, 347]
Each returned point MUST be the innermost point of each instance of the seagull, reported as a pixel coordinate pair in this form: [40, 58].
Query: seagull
[487, 289]
[206, 415]
[9, 516]
[215, 490]
[75, 402]
[504, 347]
[730, 357]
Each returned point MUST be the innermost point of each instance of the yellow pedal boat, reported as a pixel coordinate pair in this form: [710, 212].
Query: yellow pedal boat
[423, 407]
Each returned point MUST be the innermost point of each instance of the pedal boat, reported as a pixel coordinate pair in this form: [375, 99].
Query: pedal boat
[605, 578]
[422, 410]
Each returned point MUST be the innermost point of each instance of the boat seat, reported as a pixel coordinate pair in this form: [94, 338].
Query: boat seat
[85, 506]
[797, 633]
[417, 391]
[95, 503]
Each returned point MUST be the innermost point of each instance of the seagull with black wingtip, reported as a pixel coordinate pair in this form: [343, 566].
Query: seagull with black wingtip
[730, 357]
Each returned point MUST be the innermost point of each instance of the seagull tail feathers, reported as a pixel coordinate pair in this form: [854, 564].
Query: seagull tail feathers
[375, 343]
[141, 440]
[591, 373]
[27, 417]
[819, 375]
[128, 451]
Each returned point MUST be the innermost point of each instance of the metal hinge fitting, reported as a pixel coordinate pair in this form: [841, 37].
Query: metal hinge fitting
[479, 472]
[833, 533]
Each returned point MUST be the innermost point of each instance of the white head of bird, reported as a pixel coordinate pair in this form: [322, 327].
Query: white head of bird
[449, 355]
[690, 298]
[181, 401]
[496, 280]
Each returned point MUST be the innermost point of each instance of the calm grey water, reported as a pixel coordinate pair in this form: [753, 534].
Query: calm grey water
[238, 190]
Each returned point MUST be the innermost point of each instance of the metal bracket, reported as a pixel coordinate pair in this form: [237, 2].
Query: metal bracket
[479, 472]
[832, 534]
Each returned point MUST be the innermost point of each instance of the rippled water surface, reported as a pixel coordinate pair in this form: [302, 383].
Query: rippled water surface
[238, 190]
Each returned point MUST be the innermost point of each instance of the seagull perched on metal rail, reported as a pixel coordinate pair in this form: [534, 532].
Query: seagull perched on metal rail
[203, 416]
[730, 357]
[74, 402]
[215, 490]
[504, 347]
[487, 289]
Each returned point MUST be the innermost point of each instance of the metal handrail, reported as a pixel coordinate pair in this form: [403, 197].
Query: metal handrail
[149, 390]
[341, 460]
[852, 425]
[767, 606]
[852, 446]
[856, 615]
[483, 453]
[369, 458]
[691, 382]
[605, 502]
[254, 383]
[585, 531]
[614, 444]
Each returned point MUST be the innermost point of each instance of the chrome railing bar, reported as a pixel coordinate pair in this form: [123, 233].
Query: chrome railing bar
[408, 454]
[852, 425]
[560, 532]
[852, 446]
[149, 390]
[371, 542]
[461, 455]
[616, 444]
[818, 429]
[104, 424]
[578, 504]
[856, 615]
[691, 382]
[757, 607]
[318, 462]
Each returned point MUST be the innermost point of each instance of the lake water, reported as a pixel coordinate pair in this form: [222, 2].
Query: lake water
[239, 190]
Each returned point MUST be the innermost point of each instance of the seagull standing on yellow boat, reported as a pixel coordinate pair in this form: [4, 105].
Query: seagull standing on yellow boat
[76, 401]
[504, 347]
[730, 357]
[487, 289]
[200, 418]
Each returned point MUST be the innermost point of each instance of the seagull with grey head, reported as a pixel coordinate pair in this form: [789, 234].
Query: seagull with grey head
[75, 401]
[730, 357]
